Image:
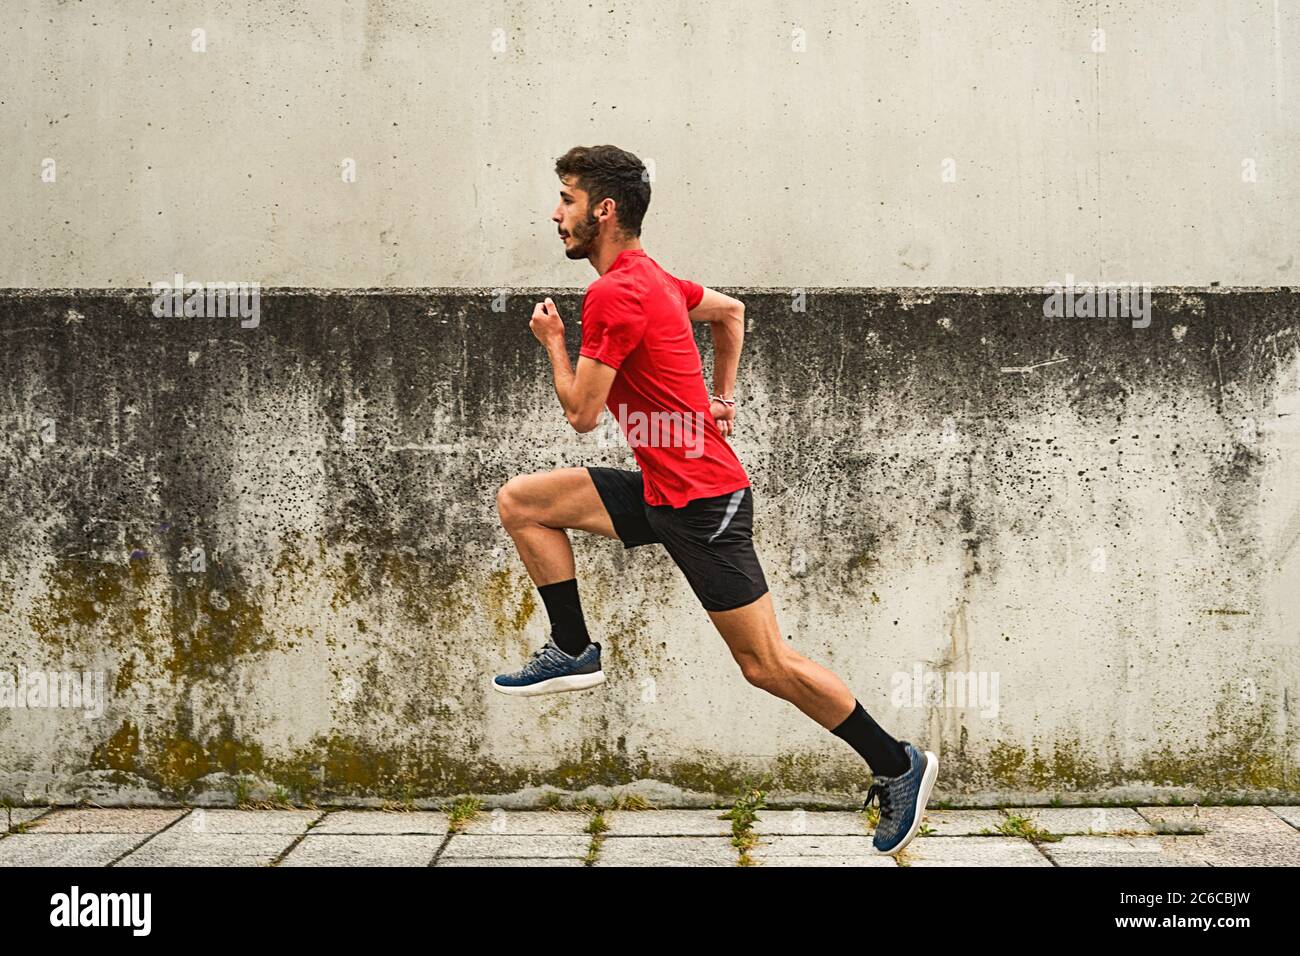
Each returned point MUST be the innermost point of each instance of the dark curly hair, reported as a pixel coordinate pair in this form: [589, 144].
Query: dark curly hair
[607, 172]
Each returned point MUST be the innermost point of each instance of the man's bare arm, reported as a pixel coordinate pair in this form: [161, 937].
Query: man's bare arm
[582, 393]
[727, 317]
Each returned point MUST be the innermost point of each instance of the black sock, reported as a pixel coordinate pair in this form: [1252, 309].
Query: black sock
[568, 629]
[883, 754]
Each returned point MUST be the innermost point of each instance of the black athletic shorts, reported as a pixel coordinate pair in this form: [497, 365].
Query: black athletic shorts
[710, 539]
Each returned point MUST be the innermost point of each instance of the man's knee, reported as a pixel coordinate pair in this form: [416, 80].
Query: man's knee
[511, 502]
[769, 675]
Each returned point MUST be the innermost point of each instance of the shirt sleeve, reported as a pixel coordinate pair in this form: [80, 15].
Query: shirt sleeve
[693, 292]
[613, 323]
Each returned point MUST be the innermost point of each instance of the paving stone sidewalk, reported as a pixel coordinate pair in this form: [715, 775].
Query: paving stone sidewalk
[1075, 836]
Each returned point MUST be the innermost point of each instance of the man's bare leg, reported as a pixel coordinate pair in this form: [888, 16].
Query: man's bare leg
[767, 661]
[752, 634]
[536, 509]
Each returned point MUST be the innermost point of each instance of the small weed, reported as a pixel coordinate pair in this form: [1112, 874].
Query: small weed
[240, 790]
[1023, 827]
[742, 816]
[9, 805]
[461, 812]
[596, 826]
[281, 799]
[631, 801]
[408, 796]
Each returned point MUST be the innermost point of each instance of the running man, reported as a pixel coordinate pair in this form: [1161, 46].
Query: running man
[691, 494]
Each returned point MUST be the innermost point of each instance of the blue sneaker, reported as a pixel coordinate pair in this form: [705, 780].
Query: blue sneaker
[902, 800]
[550, 671]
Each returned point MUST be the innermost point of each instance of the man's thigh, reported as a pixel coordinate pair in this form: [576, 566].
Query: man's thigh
[751, 631]
[623, 493]
[563, 498]
[711, 541]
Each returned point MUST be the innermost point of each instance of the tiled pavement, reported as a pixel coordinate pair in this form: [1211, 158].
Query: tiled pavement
[1075, 836]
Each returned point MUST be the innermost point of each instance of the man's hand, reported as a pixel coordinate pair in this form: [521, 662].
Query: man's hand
[582, 394]
[546, 324]
[724, 416]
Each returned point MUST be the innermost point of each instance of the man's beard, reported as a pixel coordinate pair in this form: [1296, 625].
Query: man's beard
[584, 238]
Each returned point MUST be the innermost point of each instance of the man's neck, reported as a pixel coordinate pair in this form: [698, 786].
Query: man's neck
[603, 259]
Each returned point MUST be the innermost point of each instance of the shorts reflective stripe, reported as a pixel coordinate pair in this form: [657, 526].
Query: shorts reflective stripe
[732, 505]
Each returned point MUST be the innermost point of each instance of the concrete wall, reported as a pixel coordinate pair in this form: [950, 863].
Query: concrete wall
[1099, 518]
[782, 158]
[278, 544]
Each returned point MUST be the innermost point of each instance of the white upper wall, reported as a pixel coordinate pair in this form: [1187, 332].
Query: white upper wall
[774, 166]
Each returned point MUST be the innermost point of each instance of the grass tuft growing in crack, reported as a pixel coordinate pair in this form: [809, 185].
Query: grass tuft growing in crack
[596, 826]
[1018, 826]
[240, 789]
[461, 812]
[742, 816]
[631, 801]
[282, 799]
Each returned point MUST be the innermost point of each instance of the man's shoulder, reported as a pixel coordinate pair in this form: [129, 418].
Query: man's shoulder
[619, 287]
[628, 276]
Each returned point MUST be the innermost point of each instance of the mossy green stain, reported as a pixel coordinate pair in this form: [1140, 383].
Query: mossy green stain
[211, 628]
[180, 762]
[508, 601]
[81, 595]
[120, 750]
[125, 677]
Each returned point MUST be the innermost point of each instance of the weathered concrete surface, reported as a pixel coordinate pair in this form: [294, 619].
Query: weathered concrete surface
[367, 850]
[1111, 534]
[847, 142]
[973, 851]
[1084, 820]
[360, 822]
[1236, 836]
[1126, 851]
[667, 851]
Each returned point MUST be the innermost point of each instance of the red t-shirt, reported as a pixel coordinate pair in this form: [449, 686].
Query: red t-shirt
[634, 319]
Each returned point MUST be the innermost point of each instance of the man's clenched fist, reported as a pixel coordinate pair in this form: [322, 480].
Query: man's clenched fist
[724, 416]
[546, 324]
